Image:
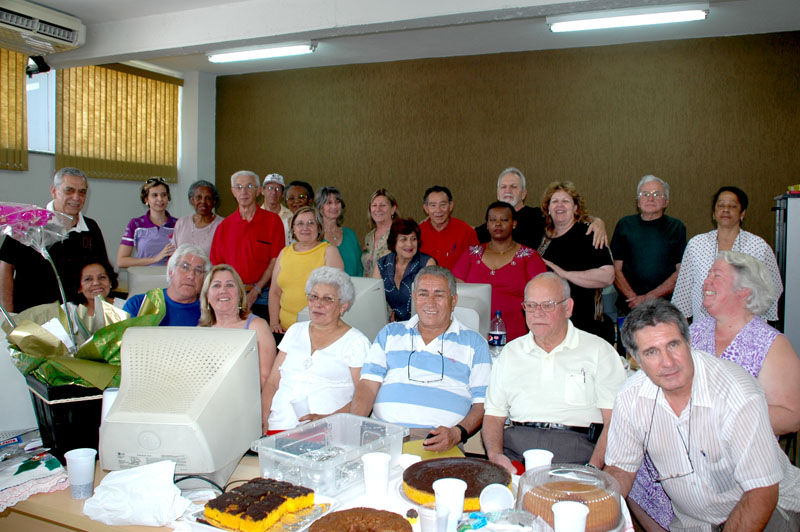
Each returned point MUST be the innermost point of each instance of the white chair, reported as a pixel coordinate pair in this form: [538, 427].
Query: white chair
[144, 278]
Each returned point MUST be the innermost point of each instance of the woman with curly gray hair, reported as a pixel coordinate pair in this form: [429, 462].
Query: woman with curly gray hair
[737, 290]
[319, 361]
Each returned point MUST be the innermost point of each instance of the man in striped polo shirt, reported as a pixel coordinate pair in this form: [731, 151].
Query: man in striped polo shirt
[704, 423]
[429, 373]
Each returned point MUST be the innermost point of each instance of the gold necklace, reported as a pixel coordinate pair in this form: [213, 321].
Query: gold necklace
[491, 245]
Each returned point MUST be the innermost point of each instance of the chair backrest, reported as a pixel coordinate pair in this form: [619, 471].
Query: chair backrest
[144, 278]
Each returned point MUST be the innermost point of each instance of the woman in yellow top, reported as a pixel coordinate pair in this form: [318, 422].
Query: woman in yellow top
[295, 263]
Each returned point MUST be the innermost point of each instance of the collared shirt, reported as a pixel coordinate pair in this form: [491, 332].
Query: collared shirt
[463, 366]
[568, 385]
[447, 245]
[78, 227]
[148, 238]
[723, 435]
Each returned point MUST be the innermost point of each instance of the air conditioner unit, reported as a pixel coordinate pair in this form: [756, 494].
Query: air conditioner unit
[36, 30]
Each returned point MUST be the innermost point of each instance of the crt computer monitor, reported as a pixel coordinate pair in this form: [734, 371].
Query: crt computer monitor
[187, 394]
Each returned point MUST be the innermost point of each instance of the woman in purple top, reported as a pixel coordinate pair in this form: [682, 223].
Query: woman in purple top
[736, 291]
[151, 234]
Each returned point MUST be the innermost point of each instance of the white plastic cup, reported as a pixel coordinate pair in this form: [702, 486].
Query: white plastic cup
[376, 474]
[443, 519]
[427, 517]
[496, 497]
[80, 469]
[569, 516]
[537, 458]
[109, 396]
[301, 407]
[449, 493]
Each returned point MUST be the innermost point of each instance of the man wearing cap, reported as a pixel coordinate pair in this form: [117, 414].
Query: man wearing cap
[273, 194]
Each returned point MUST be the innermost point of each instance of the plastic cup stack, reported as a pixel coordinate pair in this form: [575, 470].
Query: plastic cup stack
[80, 469]
[376, 474]
[449, 493]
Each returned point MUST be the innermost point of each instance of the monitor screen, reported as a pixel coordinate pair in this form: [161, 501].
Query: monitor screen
[187, 394]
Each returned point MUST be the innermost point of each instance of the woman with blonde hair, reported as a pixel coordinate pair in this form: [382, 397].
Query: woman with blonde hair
[381, 212]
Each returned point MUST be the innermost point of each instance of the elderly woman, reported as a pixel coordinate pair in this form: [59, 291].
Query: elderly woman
[737, 290]
[504, 264]
[319, 361]
[299, 194]
[567, 250]
[199, 228]
[295, 263]
[150, 234]
[399, 268]
[382, 210]
[97, 279]
[223, 304]
[330, 204]
[728, 210]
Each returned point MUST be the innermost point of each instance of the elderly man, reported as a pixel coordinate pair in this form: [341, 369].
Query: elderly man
[250, 240]
[647, 247]
[530, 220]
[557, 384]
[273, 193]
[443, 237]
[186, 270]
[704, 424]
[26, 278]
[428, 373]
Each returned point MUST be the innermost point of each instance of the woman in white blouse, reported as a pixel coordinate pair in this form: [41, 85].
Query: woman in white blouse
[727, 211]
[319, 361]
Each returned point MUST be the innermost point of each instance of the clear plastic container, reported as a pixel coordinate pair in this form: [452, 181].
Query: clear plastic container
[325, 455]
[541, 487]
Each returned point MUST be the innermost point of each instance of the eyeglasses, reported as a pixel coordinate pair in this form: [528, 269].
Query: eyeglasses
[307, 224]
[273, 188]
[326, 301]
[685, 444]
[545, 306]
[419, 369]
[249, 186]
[298, 197]
[156, 180]
[655, 194]
[185, 267]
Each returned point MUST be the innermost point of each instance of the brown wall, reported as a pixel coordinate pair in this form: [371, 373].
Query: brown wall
[697, 113]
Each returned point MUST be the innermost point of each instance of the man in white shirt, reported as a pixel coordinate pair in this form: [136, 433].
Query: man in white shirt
[557, 384]
[704, 423]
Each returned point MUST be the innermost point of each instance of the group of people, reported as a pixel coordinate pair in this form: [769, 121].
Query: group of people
[690, 437]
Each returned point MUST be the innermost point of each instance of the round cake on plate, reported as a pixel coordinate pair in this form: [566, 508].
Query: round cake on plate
[361, 520]
[418, 478]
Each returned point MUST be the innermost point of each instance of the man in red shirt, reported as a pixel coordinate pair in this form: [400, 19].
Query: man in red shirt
[250, 240]
[443, 237]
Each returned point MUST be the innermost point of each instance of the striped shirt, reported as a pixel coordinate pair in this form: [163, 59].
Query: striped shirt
[720, 446]
[427, 385]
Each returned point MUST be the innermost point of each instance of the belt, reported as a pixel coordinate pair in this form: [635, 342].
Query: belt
[550, 426]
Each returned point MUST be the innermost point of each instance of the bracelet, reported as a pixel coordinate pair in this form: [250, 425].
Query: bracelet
[464, 433]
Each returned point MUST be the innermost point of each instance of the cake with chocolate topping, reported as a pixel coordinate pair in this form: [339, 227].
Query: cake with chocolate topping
[418, 478]
[257, 505]
[361, 520]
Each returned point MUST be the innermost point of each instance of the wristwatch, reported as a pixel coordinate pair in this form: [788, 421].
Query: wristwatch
[464, 434]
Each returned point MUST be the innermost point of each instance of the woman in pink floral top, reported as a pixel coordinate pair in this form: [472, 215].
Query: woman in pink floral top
[504, 264]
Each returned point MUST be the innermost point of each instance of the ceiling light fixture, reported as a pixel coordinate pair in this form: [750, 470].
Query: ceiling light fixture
[623, 18]
[249, 54]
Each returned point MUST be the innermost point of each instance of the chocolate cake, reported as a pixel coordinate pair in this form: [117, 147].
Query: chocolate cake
[361, 520]
[418, 479]
[257, 505]
[604, 512]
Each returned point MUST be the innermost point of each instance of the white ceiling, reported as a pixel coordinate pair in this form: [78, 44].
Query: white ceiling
[176, 34]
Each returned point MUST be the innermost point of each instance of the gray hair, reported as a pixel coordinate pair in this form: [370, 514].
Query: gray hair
[649, 314]
[181, 252]
[647, 179]
[335, 277]
[322, 197]
[565, 291]
[511, 170]
[436, 271]
[750, 274]
[252, 175]
[68, 170]
[207, 184]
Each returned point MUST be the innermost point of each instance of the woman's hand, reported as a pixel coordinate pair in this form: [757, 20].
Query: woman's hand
[165, 252]
[600, 237]
[277, 328]
[312, 417]
[251, 297]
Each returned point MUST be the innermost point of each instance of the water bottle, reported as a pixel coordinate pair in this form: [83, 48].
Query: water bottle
[497, 334]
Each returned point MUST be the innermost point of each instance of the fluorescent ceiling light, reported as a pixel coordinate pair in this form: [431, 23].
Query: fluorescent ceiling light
[622, 18]
[249, 54]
